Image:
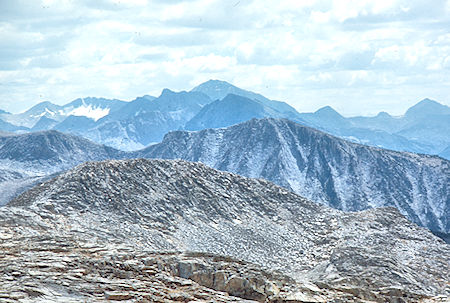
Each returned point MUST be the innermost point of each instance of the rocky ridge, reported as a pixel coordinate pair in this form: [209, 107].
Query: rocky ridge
[173, 206]
[321, 167]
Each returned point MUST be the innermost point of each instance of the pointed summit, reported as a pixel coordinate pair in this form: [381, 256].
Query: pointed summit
[427, 107]
[328, 112]
[217, 90]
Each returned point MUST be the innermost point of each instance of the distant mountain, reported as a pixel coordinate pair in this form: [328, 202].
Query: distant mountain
[423, 129]
[75, 125]
[383, 122]
[321, 167]
[146, 120]
[326, 118]
[425, 109]
[228, 111]
[133, 125]
[30, 158]
[217, 90]
[122, 221]
[9, 127]
[93, 108]
[44, 123]
[30, 117]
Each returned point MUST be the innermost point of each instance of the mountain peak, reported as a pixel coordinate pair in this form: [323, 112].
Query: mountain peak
[167, 92]
[383, 115]
[215, 83]
[328, 111]
[427, 107]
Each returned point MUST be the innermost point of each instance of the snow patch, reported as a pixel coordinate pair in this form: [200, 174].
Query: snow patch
[89, 112]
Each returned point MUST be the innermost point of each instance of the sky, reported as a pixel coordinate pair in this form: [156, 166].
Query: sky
[360, 57]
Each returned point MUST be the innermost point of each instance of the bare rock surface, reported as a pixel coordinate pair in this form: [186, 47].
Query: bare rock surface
[321, 167]
[102, 216]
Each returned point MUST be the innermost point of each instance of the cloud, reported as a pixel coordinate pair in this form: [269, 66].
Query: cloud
[308, 53]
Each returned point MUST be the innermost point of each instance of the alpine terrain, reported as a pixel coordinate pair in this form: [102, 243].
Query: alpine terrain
[129, 126]
[165, 231]
[33, 157]
[320, 167]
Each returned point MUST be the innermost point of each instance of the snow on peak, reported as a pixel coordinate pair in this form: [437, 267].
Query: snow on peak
[89, 111]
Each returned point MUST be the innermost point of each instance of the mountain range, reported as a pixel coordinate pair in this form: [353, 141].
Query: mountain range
[114, 230]
[320, 167]
[424, 128]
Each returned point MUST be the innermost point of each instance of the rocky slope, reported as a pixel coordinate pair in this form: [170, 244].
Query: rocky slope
[68, 224]
[31, 158]
[321, 167]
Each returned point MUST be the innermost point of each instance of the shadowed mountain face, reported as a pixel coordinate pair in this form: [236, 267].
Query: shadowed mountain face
[177, 205]
[233, 109]
[30, 158]
[321, 167]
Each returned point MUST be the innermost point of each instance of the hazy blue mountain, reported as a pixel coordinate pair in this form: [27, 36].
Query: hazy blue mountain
[111, 105]
[131, 108]
[30, 117]
[44, 123]
[424, 128]
[382, 139]
[321, 167]
[432, 129]
[228, 111]
[75, 125]
[383, 121]
[93, 108]
[426, 108]
[326, 118]
[147, 119]
[218, 90]
[9, 127]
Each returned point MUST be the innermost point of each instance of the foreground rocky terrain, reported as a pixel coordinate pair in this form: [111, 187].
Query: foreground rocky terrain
[128, 230]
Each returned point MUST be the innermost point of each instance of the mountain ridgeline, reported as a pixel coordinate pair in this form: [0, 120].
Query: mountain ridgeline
[168, 206]
[30, 158]
[320, 167]
[424, 128]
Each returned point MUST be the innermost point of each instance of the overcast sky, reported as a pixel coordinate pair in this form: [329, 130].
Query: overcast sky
[359, 56]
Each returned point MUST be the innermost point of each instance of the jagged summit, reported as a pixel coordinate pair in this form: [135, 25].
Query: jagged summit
[178, 205]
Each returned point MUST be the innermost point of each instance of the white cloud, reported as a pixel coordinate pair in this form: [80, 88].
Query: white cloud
[308, 53]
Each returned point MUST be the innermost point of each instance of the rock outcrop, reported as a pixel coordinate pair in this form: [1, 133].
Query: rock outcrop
[177, 206]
